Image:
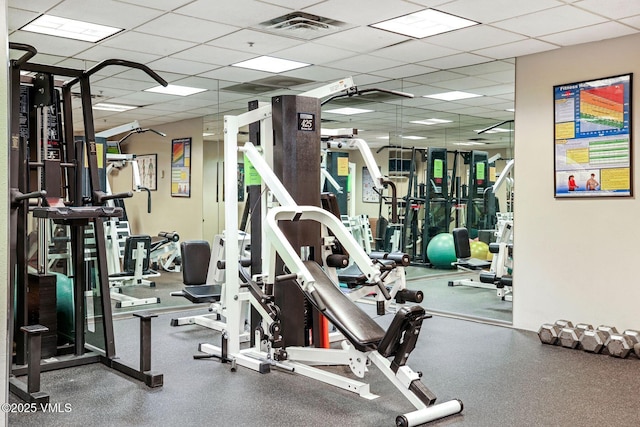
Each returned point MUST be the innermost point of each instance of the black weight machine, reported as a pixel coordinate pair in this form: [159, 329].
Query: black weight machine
[427, 204]
[54, 179]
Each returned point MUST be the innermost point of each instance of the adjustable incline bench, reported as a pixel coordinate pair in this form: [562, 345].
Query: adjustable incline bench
[368, 337]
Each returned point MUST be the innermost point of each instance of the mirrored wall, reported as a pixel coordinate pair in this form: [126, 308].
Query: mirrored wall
[399, 129]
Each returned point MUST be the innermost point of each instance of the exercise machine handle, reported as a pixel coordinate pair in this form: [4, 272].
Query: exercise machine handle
[384, 290]
[100, 196]
[99, 66]
[31, 52]
[148, 197]
[17, 196]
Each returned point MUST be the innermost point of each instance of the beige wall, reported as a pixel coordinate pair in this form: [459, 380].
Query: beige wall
[574, 259]
[180, 214]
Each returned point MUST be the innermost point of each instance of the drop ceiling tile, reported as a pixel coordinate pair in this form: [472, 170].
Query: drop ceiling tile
[593, 33]
[488, 11]
[186, 28]
[467, 84]
[103, 92]
[632, 21]
[41, 58]
[116, 82]
[521, 48]
[508, 76]
[242, 13]
[182, 66]
[496, 89]
[212, 55]
[254, 42]
[365, 63]
[294, 4]
[488, 67]
[100, 53]
[362, 13]
[414, 51]
[17, 18]
[614, 9]
[39, 6]
[201, 82]
[105, 12]
[144, 98]
[50, 44]
[437, 76]
[362, 39]
[158, 4]
[313, 53]
[550, 21]
[404, 71]
[147, 43]
[474, 38]
[235, 74]
[318, 74]
[454, 61]
[367, 79]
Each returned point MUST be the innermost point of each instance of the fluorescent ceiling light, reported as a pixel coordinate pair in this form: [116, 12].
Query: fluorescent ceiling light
[430, 122]
[70, 28]
[348, 111]
[113, 107]
[175, 90]
[495, 130]
[414, 137]
[382, 137]
[511, 110]
[270, 64]
[452, 96]
[425, 23]
[207, 134]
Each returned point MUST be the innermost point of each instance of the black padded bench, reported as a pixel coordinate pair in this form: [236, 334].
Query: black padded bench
[195, 266]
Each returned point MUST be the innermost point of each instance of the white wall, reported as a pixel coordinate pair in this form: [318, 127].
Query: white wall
[574, 259]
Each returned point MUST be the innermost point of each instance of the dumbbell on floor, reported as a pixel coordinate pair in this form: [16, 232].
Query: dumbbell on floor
[620, 345]
[548, 333]
[570, 336]
[594, 341]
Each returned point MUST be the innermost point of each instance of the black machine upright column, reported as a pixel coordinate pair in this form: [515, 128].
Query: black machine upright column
[296, 162]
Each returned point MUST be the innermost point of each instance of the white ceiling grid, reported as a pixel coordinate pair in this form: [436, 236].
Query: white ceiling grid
[194, 42]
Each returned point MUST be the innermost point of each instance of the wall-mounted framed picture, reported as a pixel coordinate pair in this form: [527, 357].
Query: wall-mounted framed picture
[148, 170]
[592, 138]
[181, 167]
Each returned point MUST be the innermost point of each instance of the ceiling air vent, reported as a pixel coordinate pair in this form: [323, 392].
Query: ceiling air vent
[302, 25]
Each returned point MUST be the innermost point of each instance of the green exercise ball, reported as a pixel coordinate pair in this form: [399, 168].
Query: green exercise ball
[441, 252]
[479, 250]
[64, 305]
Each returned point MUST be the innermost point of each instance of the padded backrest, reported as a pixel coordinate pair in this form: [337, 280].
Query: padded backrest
[195, 261]
[461, 243]
[330, 203]
[131, 244]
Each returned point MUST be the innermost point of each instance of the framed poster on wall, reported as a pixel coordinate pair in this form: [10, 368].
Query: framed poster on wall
[147, 168]
[181, 167]
[592, 138]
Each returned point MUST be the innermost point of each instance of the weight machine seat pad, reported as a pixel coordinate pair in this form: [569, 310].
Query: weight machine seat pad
[202, 293]
[352, 275]
[356, 325]
[196, 255]
[461, 243]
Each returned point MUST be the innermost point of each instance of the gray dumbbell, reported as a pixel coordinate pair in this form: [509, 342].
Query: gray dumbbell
[569, 337]
[620, 345]
[548, 333]
[594, 341]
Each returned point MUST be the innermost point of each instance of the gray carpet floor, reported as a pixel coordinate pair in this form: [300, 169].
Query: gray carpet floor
[505, 377]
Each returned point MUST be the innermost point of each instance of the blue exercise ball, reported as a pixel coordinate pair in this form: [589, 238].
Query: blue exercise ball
[441, 252]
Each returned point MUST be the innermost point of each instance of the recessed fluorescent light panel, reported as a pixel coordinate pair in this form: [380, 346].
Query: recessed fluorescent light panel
[70, 28]
[175, 90]
[452, 96]
[113, 107]
[270, 64]
[425, 23]
[348, 111]
[430, 122]
[414, 137]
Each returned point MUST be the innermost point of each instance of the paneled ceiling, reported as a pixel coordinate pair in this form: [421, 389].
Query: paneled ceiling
[194, 43]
